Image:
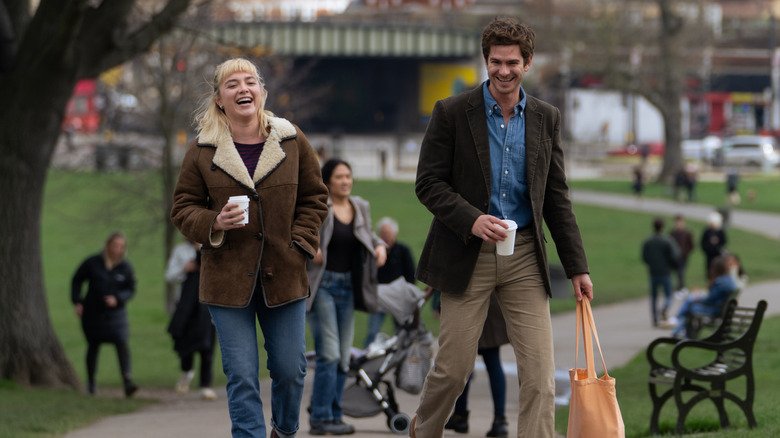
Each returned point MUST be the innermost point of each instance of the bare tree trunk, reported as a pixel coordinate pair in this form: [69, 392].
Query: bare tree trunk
[671, 85]
[48, 51]
[167, 203]
[29, 350]
[167, 127]
[673, 159]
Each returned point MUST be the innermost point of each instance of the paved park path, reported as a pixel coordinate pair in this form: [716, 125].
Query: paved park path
[624, 330]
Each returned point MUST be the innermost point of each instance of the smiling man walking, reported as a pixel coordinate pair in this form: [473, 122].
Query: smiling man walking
[492, 154]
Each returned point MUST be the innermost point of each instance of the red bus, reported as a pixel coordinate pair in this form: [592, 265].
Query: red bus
[82, 114]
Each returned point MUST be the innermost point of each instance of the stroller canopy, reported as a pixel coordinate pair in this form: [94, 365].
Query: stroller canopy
[400, 299]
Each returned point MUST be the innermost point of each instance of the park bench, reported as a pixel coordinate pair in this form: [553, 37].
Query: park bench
[696, 322]
[732, 347]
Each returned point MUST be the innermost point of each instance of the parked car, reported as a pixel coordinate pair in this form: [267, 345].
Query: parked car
[749, 150]
[704, 150]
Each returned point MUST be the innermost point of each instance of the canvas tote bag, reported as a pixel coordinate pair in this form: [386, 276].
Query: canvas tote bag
[593, 407]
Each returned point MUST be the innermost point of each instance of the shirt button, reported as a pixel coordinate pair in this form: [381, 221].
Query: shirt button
[502, 126]
[503, 194]
[507, 149]
[505, 172]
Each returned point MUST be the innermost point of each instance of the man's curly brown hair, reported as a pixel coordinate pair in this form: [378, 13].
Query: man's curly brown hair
[505, 31]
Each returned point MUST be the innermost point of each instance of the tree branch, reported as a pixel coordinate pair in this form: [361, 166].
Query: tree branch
[7, 39]
[122, 46]
[18, 14]
[47, 40]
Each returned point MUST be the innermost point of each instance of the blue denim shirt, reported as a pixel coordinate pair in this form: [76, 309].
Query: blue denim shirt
[508, 189]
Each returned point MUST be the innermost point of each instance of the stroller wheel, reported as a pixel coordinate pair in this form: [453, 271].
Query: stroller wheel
[399, 423]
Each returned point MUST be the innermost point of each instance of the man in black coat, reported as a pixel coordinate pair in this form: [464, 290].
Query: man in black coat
[489, 154]
[661, 255]
[713, 240]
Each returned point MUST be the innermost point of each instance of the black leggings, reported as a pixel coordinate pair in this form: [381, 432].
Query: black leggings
[206, 359]
[122, 352]
[497, 379]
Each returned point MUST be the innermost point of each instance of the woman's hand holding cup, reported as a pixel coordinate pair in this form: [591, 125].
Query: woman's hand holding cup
[231, 216]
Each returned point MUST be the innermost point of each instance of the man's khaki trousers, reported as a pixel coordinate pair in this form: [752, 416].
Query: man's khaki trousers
[517, 282]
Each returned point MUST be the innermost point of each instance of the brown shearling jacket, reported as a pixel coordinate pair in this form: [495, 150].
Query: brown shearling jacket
[453, 182]
[286, 208]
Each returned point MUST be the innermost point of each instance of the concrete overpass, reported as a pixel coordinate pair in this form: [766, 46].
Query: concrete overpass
[351, 39]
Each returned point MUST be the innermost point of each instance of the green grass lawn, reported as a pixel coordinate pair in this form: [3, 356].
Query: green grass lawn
[765, 188]
[635, 404]
[81, 209]
[48, 412]
[612, 241]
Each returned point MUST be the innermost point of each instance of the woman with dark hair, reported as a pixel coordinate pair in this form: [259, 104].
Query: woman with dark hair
[102, 310]
[343, 277]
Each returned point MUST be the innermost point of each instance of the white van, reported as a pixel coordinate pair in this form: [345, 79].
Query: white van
[703, 150]
[750, 150]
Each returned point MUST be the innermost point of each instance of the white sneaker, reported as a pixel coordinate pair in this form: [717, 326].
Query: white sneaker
[208, 394]
[183, 385]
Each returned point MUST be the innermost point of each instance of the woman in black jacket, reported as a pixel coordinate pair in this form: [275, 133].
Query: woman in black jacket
[193, 332]
[102, 310]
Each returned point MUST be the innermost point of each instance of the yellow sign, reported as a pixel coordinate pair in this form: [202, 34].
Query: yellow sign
[111, 77]
[438, 81]
[743, 98]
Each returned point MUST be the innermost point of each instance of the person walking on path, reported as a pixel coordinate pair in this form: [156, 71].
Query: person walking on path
[638, 184]
[489, 154]
[400, 263]
[180, 263]
[661, 255]
[732, 187]
[253, 259]
[683, 237]
[713, 240]
[192, 332]
[103, 311]
[680, 183]
[493, 336]
[343, 277]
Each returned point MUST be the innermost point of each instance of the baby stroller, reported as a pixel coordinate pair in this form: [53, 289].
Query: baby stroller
[405, 357]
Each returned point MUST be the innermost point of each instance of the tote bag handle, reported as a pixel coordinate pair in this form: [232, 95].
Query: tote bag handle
[587, 325]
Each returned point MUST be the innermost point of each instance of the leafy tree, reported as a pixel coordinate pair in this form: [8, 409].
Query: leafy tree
[44, 50]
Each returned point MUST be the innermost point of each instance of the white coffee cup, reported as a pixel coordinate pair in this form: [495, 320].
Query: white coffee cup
[243, 203]
[506, 247]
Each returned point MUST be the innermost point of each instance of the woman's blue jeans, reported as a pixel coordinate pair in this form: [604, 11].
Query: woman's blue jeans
[284, 331]
[333, 326]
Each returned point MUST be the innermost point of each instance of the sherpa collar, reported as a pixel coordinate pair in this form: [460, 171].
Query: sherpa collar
[227, 158]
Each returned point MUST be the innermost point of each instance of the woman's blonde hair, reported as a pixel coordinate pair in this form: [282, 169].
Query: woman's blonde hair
[116, 235]
[211, 121]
